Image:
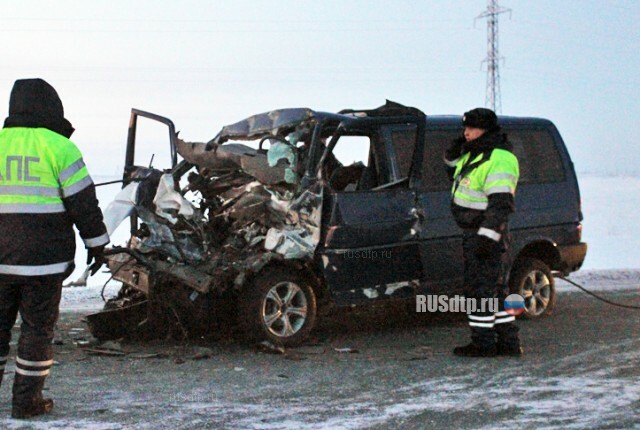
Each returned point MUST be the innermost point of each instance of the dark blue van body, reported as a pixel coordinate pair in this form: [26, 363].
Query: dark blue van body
[383, 239]
[367, 218]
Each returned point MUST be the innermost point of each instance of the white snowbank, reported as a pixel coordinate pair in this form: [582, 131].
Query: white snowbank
[610, 206]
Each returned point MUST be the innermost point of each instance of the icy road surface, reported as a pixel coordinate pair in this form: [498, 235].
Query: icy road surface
[580, 371]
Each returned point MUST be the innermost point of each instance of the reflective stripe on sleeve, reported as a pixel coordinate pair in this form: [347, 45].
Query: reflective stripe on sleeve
[451, 163]
[96, 241]
[71, 170]
[47, 269]
[77, 187]
[491, 234]
[31, 208]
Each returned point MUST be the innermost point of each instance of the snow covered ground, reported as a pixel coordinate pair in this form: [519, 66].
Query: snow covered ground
[567, 382]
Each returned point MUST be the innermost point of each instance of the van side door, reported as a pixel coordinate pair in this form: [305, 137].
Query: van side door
[440, 239]
[370, 247]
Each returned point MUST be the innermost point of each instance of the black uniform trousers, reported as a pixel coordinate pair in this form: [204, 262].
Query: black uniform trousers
[37, 299]
[486, 277]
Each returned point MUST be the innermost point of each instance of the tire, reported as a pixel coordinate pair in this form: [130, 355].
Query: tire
[532, 279]
[279, 306]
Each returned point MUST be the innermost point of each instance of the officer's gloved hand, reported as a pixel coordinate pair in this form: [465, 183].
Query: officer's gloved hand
[454, 151]
[486, 247]
[95, 254]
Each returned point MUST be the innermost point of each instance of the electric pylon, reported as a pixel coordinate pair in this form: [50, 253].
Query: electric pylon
[492, 100]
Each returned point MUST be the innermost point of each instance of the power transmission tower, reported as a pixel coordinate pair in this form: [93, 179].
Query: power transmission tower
[493, 57]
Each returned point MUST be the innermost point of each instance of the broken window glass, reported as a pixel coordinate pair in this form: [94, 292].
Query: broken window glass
[358, 164]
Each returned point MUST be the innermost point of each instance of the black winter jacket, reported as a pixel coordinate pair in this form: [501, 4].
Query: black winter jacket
[43, 244]
[500, 205]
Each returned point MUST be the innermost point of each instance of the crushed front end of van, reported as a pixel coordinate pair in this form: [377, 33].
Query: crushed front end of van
[240, 210]
[230, 223]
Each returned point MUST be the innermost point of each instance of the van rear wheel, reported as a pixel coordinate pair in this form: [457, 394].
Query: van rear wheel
[532, 279]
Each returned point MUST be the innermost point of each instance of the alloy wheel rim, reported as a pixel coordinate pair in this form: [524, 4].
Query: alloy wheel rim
[285, 309]
[536, 291]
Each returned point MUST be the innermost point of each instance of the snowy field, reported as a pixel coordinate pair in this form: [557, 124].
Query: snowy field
[609, 205]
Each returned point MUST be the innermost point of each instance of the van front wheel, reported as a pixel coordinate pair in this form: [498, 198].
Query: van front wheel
[279, 306]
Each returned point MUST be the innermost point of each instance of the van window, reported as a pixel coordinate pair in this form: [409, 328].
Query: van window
[400, 145]
[153, 148]
[538, 156]
[352, 150]
[434, 172]
[361, 167]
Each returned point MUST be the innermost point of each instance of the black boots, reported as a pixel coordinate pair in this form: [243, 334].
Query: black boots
[37, 407]
[27, 397]
[473, 350]
[510, 350]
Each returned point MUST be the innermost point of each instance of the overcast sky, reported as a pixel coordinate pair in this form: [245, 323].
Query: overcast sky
[205, 64]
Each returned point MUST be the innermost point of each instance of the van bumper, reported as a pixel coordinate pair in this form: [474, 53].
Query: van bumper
[571, 257]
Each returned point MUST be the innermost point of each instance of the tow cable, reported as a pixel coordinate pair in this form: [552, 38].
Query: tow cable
[109, 182]
[595, 295]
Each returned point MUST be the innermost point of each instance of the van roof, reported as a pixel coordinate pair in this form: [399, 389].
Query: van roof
[503, 120]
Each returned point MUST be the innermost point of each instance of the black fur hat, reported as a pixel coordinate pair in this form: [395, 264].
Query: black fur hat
[483, 118]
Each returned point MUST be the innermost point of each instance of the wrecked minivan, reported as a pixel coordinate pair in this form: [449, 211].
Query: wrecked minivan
[291, 211]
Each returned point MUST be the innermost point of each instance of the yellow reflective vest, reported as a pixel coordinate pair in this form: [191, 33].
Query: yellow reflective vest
[483, 190]
[45, 189]
[498, 174]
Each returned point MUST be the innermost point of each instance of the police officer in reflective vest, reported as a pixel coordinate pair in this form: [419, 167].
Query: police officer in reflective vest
[485, 174]
[45, 189]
